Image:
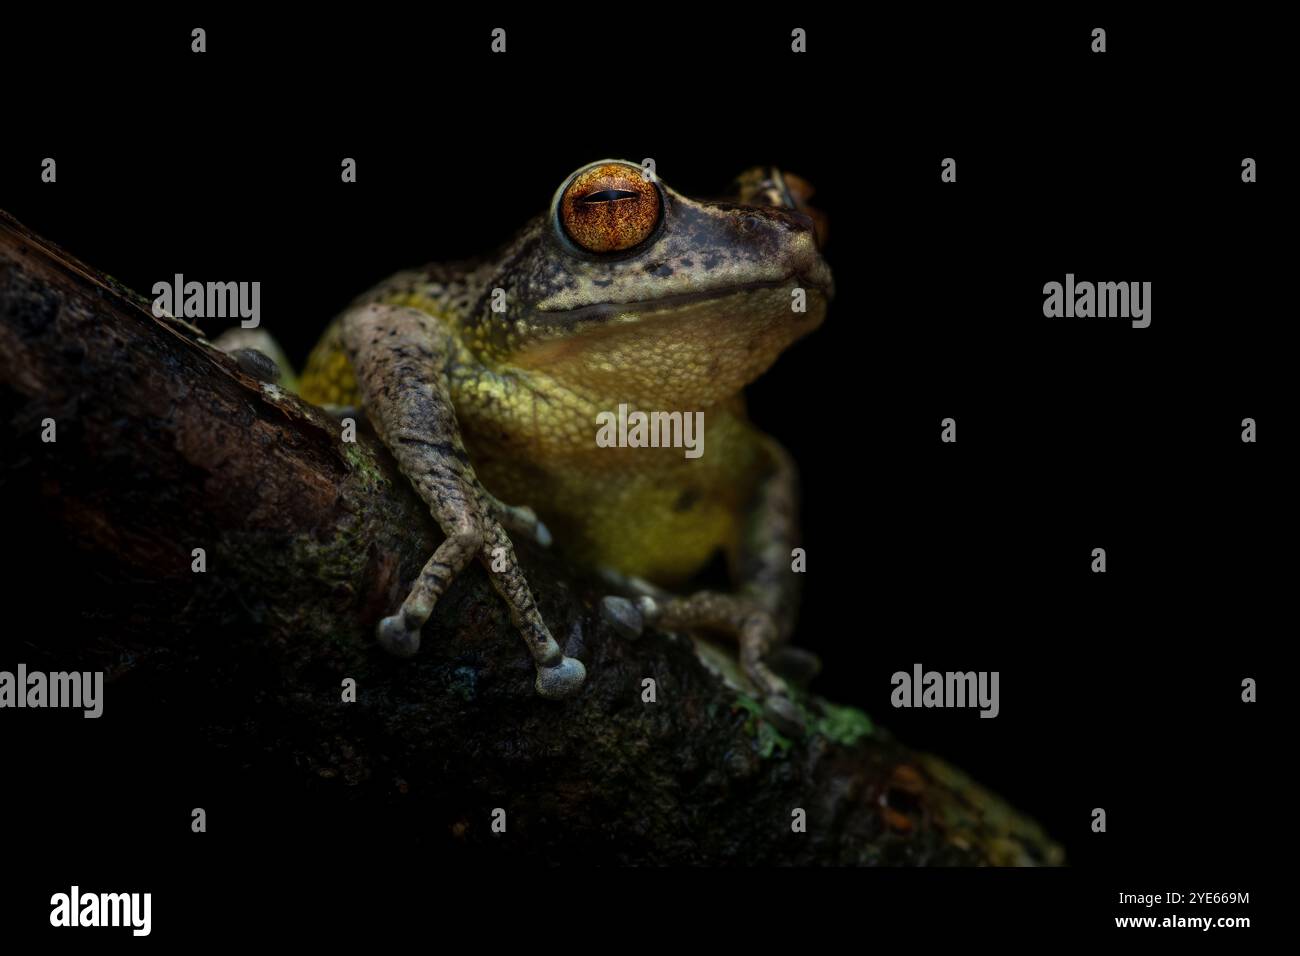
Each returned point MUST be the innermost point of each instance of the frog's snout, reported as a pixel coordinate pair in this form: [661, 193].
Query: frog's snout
[804, 251]
[776, 189]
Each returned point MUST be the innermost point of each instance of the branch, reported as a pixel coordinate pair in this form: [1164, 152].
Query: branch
[164, 445]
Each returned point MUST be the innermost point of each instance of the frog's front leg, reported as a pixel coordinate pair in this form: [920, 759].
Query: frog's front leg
[401, 357]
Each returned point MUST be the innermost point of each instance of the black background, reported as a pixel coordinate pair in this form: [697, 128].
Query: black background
[1119, 690]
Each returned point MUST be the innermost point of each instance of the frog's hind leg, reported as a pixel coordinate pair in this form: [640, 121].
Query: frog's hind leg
[401, 357]
[761, 613]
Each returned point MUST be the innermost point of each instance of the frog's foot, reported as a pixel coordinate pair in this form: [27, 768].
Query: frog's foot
[257, 353]
[518, 520]
[622, 610]
[562, 679]
[624, 616]
[557, 676]
[795, 664]
[753, 627]
[257, 364]
[631, 586]
[399, 634]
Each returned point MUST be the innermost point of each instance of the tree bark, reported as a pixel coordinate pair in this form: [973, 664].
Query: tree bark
[165, 446]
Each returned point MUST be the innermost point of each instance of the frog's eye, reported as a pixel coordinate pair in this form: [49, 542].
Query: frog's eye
[609, 208]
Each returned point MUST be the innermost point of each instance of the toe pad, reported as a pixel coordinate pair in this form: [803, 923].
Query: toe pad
[562, 679]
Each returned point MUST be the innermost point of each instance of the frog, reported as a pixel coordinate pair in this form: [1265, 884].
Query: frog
[486, 379]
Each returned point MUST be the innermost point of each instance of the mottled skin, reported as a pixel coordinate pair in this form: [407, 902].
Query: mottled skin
[472, 400]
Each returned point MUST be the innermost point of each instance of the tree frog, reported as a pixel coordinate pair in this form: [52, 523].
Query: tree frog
[487, 380]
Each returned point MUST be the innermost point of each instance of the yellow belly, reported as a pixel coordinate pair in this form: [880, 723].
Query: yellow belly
[661, 518]
[648, 512]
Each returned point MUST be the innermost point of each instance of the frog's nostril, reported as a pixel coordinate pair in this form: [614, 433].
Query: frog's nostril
[748, 223]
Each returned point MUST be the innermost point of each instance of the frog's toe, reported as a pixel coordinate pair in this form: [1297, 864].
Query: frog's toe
[623, 616]
[627, 584]
[794, 664]
[561, 680]
[397, 637]
[519, 520]
[257, 364]
[257, 353]
[784, 715]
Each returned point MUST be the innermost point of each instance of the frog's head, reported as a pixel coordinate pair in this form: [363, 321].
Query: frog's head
[629, 289]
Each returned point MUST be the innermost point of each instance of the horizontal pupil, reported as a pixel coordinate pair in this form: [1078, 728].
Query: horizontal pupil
[609, 195]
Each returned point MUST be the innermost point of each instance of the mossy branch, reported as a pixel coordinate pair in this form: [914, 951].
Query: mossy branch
[164, 445]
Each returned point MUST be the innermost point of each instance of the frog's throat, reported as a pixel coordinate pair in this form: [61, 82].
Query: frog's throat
[685, 353]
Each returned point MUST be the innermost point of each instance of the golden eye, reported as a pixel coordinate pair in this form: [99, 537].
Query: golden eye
[609, 208]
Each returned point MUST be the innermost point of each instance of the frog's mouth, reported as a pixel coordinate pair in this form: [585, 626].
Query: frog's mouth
[606, 311]
[691, 349]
